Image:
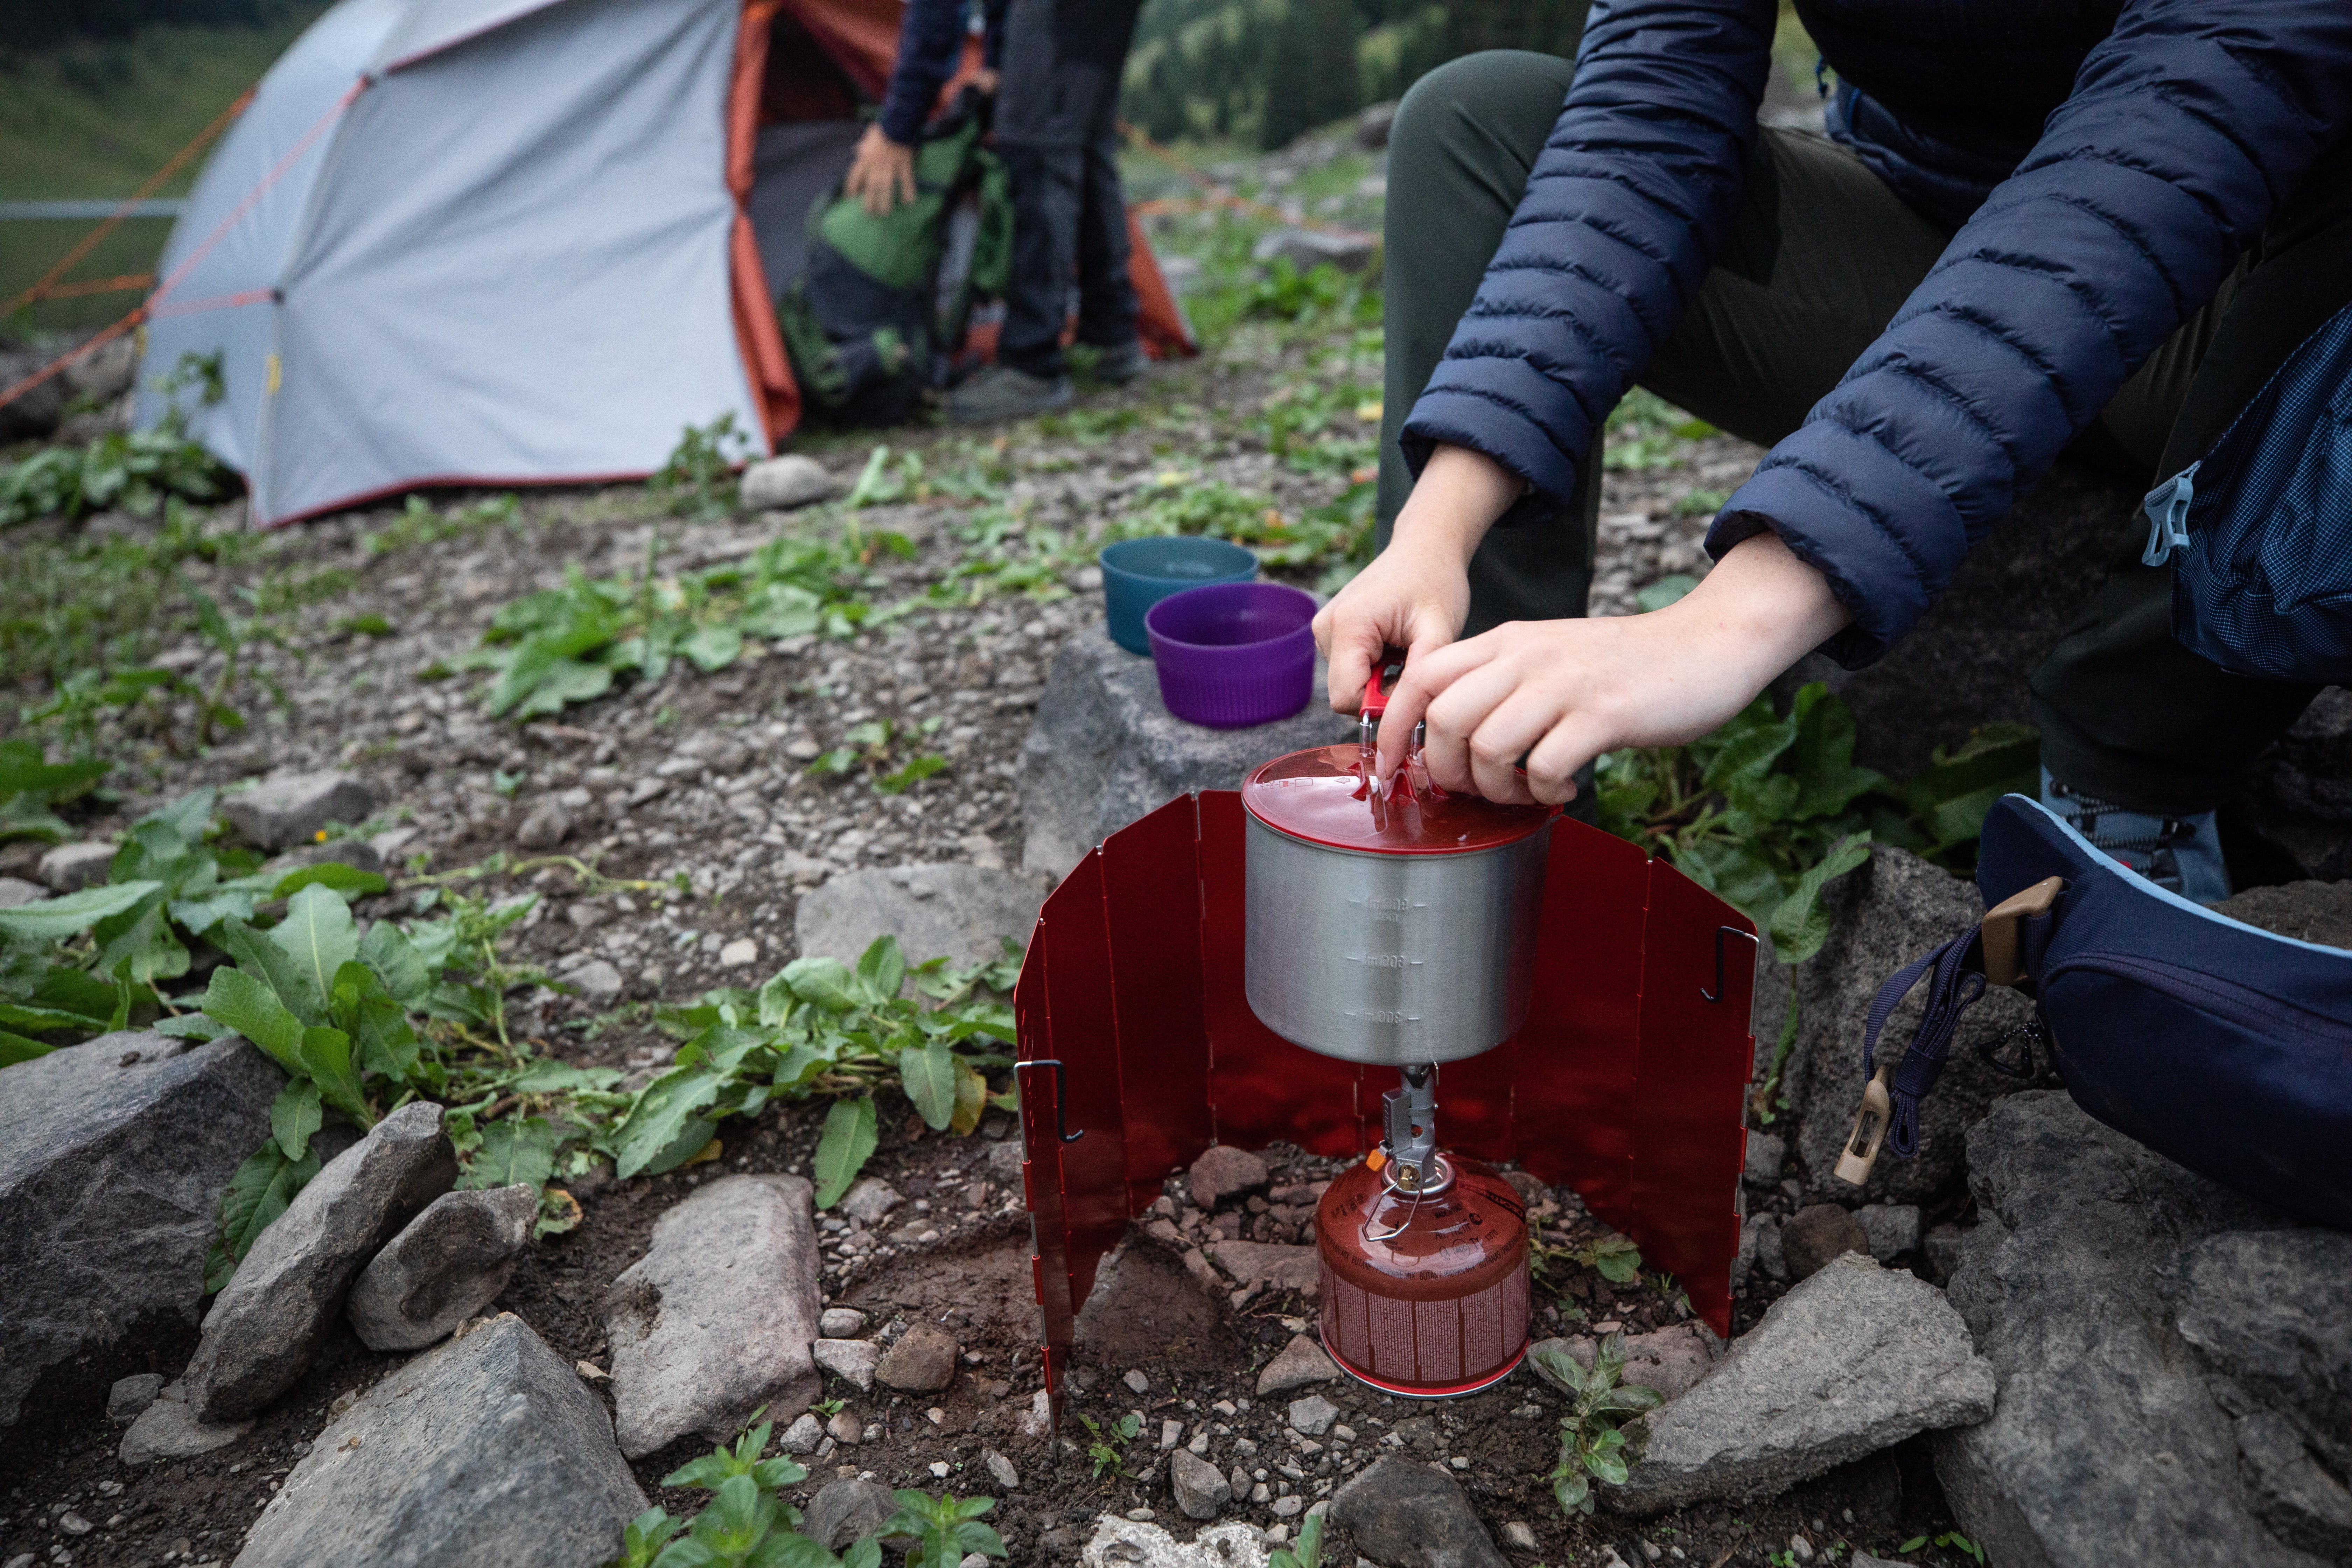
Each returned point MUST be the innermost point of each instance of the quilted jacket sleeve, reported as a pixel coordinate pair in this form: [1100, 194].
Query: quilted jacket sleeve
[2185, 130]
[1624, 206]
[931, 39]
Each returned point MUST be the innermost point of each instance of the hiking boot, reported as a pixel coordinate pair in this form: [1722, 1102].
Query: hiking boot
[1117, 366]
[1000, 392]
[2180, 854]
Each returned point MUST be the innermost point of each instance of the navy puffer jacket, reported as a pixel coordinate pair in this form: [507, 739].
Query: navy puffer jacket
[2188, 123]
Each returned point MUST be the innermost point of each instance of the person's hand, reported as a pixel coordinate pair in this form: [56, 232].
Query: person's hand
[1415, 595]
[882, 174]
[1560, 693]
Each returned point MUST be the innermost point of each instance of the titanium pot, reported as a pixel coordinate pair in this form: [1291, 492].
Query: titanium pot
[1389, 927]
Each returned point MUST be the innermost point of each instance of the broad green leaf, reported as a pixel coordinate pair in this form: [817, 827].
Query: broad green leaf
[192, 1026]
[71, 991]
[377, 1022]
[929, 1073]
[188, 816]
[971, 1100]
[327, 1058]
[250, 1007]
[22, 767]
[1561, 1365]
[15, 1048]
[257, 1194]
[1821, 760]
[294, 1115]
[45, 919]
[263, 958]
[827, 982]
[331, 875]
[664, 1111]
[318, 934]
[883, 969]
[848, 1141]
[48, 1020]
[1800, 925]
[713, 647]
[1750, 753]
[140, 943]
[548, 1076]
[514, 1151]
[397, 962]
[563, 682]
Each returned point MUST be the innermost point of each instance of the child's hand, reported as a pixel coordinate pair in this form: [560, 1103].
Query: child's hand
[882, 174]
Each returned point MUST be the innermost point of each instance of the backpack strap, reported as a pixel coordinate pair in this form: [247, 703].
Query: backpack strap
[1992, 953]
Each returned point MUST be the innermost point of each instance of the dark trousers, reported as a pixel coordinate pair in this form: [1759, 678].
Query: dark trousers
[1057, 129]
[1818, 259]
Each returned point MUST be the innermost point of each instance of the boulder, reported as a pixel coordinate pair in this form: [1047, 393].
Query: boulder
[486, 1453]
[1223, 1171]
[113, 1157]
[168, 1429]
[1814, 1235]
[716, 1317]
[2308, 912]
[1851, 1361]
[923, 1361]
[846, 1510]
[69, 868]
[1199, 1490]
[1308, 248]
[1138, 1544]
[1405, 1515]
[1301, 1362]
[291, 809]
[853, 1359]
[1893, 910]
[962, 914]
[778, 484]
[444, 1268]
[2137, 1375]
[268, 1322]
[2301, 791]
[1104, 750]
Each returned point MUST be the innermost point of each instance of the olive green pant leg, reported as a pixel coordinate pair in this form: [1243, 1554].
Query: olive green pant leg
[1459, 151]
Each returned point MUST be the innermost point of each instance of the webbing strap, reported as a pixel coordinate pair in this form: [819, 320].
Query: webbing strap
[1958, 984]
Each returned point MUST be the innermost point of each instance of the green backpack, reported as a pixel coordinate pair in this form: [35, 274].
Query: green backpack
[869, 325]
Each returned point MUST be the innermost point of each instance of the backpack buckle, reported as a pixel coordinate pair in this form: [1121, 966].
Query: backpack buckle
[2003, 944]
[1870, 1125]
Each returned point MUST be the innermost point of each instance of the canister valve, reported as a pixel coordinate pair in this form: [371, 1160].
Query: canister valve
[1409, 1120]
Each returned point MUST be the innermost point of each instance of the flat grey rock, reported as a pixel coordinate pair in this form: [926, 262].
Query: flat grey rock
[69, 868]
[846, 1510]
[113, 1157]
[130, 1397]
[841, 1324]
[853, 1359]
[922, 1362]
[1853, 1359]
[1223, 1171]
[1104, 750]
[869, 1200]
[266, 1327]
[1895, 909]
[1199, 1488]
[599, 983]
[486, 1452]
[802, 1437]
[783, 483]
[2172, 1359]
[168, 1429]
[445, 1266]
[716, 1317]
[1002, 1469]
[1406, 1515]
[1766, 1153]
[278, 813]
[1299, 1364]
[1893, 1229]
[962, 914]
[1313, 1415]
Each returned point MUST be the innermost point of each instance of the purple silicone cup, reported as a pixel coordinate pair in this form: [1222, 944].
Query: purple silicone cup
[1233, 654]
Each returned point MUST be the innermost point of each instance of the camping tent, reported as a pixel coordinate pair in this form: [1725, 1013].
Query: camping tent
[514, 241]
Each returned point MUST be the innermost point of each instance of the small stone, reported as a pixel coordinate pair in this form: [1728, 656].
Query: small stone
[1289, 1507]
[69, 868]
[1769, 1255]
[1141, 1515]
[841, 1324]
[1519, 1536]
[1892, 1228]
[1224, 1172]
[778, 484]
[938, 1468]
[1170, 1434]
[73, 1523]
[546, 825]
[1410, 1516]
[168, 1429]
[1303, 1361]
[445, 1266]
[846, 1428]
[1312, 1416]
[740, 952]
[924, 1359]
[1136, 1381]
[15, 890]
[851, 1360]
[1766, 1154]
[598, 982]
[292, 809]
[846, 1509]
[130, 1397]
[1002, 1469]
[1261, 1492]
[870, 1200]
[803, 1435]
[1817, 1233]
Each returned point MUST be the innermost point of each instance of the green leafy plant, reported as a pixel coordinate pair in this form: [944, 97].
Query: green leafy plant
[945, 1531]
[129, 471]
[1307, 1551]
[1614, 1256]
[1592, 1448]
[696, 476]
[1107, 1452]
[32, 788]
[1645, 431]
[870, 745]
[1951, 1538]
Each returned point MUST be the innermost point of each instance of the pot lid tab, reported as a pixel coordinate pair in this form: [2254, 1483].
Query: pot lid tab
[1320, 795]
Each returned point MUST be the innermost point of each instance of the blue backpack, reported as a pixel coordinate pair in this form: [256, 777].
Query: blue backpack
[2258, 530]
[2218, 1045]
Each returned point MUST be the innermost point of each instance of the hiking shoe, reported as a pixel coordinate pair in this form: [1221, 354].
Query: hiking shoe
[1117, 366]
[2180, 854]
[1000, 392]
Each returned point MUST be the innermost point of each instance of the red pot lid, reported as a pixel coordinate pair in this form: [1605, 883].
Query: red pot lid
[1319, 795]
